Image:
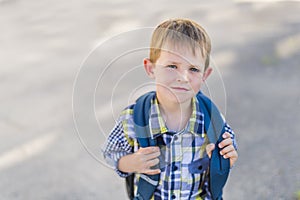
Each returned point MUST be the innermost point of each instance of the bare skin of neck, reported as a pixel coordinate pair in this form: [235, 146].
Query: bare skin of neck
[176, 115]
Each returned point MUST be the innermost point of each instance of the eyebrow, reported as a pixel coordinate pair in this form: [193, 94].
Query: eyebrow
[172, 62]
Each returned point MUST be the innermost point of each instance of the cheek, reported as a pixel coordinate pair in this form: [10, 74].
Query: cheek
[197, 84]
[165, 76]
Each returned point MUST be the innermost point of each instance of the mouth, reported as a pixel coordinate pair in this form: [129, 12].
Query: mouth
[180, 89]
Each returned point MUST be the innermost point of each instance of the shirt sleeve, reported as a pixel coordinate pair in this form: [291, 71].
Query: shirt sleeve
[229, 130]
[117, 146]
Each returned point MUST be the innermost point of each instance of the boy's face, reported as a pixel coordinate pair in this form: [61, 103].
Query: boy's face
[178, 74]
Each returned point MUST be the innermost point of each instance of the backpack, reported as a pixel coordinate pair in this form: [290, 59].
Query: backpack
[214, 126]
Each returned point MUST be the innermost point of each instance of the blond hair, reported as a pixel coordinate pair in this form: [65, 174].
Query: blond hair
[178, 32]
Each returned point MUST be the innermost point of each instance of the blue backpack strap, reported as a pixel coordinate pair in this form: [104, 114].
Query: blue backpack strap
[214, 126]
[147, 183]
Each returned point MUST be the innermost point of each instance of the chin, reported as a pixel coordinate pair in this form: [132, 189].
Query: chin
[174, 96]
[180, 98]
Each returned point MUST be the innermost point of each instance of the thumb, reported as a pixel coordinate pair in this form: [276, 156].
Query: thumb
[209, 148]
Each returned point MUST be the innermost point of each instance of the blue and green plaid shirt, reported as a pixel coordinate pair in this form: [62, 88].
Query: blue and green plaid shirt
[180, 150]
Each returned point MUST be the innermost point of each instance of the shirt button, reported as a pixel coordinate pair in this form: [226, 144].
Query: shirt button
[175, 137]
[175, 168]
[173, 196]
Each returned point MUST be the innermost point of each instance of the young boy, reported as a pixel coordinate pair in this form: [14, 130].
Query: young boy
[179, 65]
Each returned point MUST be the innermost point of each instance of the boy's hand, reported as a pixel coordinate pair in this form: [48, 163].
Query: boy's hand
[145, 158]
[141, 161]
[228, 150]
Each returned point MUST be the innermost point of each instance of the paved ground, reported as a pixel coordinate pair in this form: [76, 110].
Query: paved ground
[44, 43]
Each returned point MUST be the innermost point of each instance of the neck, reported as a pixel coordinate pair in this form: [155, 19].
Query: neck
[176, 115]
[175, 108]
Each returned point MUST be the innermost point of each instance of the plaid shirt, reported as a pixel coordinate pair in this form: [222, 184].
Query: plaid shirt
[181, 150]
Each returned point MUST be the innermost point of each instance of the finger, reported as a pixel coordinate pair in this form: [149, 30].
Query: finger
[152, 156]
[148, 150]
[227, 149]
[226, 135]
[231, 155]
[151, 171]
[151, 163]
[225, 142]
[209, 148]
[233, 158]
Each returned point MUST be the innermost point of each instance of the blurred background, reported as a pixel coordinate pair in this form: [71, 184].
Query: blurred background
[68, 67]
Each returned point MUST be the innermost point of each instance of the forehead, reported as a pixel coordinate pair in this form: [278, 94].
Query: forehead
[182, 54]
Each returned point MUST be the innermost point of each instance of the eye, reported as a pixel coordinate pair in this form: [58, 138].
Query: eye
[194, 69]
[172, 66]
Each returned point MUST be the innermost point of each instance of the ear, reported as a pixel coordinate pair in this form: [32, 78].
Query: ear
[206, 73]
[149, 67]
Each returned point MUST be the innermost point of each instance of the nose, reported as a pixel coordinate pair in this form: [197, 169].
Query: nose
[183, 76]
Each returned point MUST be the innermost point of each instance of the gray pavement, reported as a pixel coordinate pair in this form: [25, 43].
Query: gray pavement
[43, 44]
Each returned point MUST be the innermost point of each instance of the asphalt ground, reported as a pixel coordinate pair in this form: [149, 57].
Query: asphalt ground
[62, 88]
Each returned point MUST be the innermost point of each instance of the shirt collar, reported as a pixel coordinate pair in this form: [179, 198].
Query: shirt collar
[158, 126]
